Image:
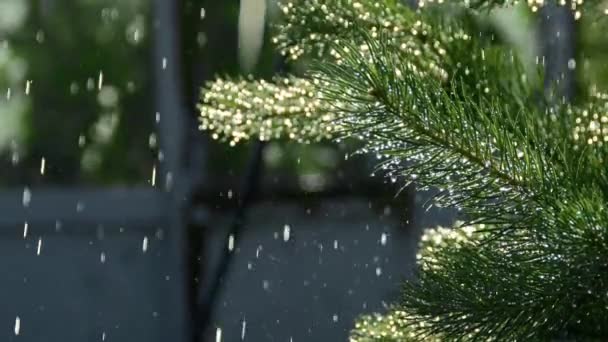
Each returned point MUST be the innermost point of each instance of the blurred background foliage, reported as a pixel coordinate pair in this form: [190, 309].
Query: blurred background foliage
[76, 83]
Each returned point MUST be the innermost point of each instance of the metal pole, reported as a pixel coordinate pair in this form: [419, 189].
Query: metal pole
[558, 39]
[173, 178]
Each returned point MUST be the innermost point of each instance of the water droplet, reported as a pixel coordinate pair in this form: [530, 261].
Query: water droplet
[102, 257]
[257, 251]
[81, 140]
[28, 86]
[153, 178]
[383, 239]
[144, 244]
[39, 248]
[164, 63]
[243, 329]
[100, 81]
[218, 335]
[27, 197]
[286, 233]
[17, 325]
[378, 271]
[335, 317]
[42, 166]
[25, 228]
[231, 242]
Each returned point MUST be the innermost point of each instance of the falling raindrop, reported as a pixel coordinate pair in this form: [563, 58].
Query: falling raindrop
[81, 140]
[102, 257]
[378, 271]
[335, 318]
[243, 329]
[164, 63]
[17, 325]
[286, 233]
[28, 86]
[218, 335]
[144, 244]
[100, 80]
[25, 228]
[231, 242]
[383, 239]
[169, 181]
[27, 197]
[42, 166]
[39, 246]
[153, 179]
[335, 244]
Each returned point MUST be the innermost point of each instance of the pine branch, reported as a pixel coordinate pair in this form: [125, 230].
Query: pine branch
[431, 45]
[399, 325]
[501, 169]
[288, 108]
[590, 7]
[476, 151]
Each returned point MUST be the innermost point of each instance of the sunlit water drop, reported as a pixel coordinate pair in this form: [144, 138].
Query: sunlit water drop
[28, 86]
[144, 244]
[27, 197]
[153, 178]
[218, 335]
[17, 325]
[243, 329]
[383, 239]
[231, 242]
[39, 248]
[42, 166]
[286, 233]
[25, 229]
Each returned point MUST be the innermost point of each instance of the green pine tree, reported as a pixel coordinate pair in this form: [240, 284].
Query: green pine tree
[451, 107]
